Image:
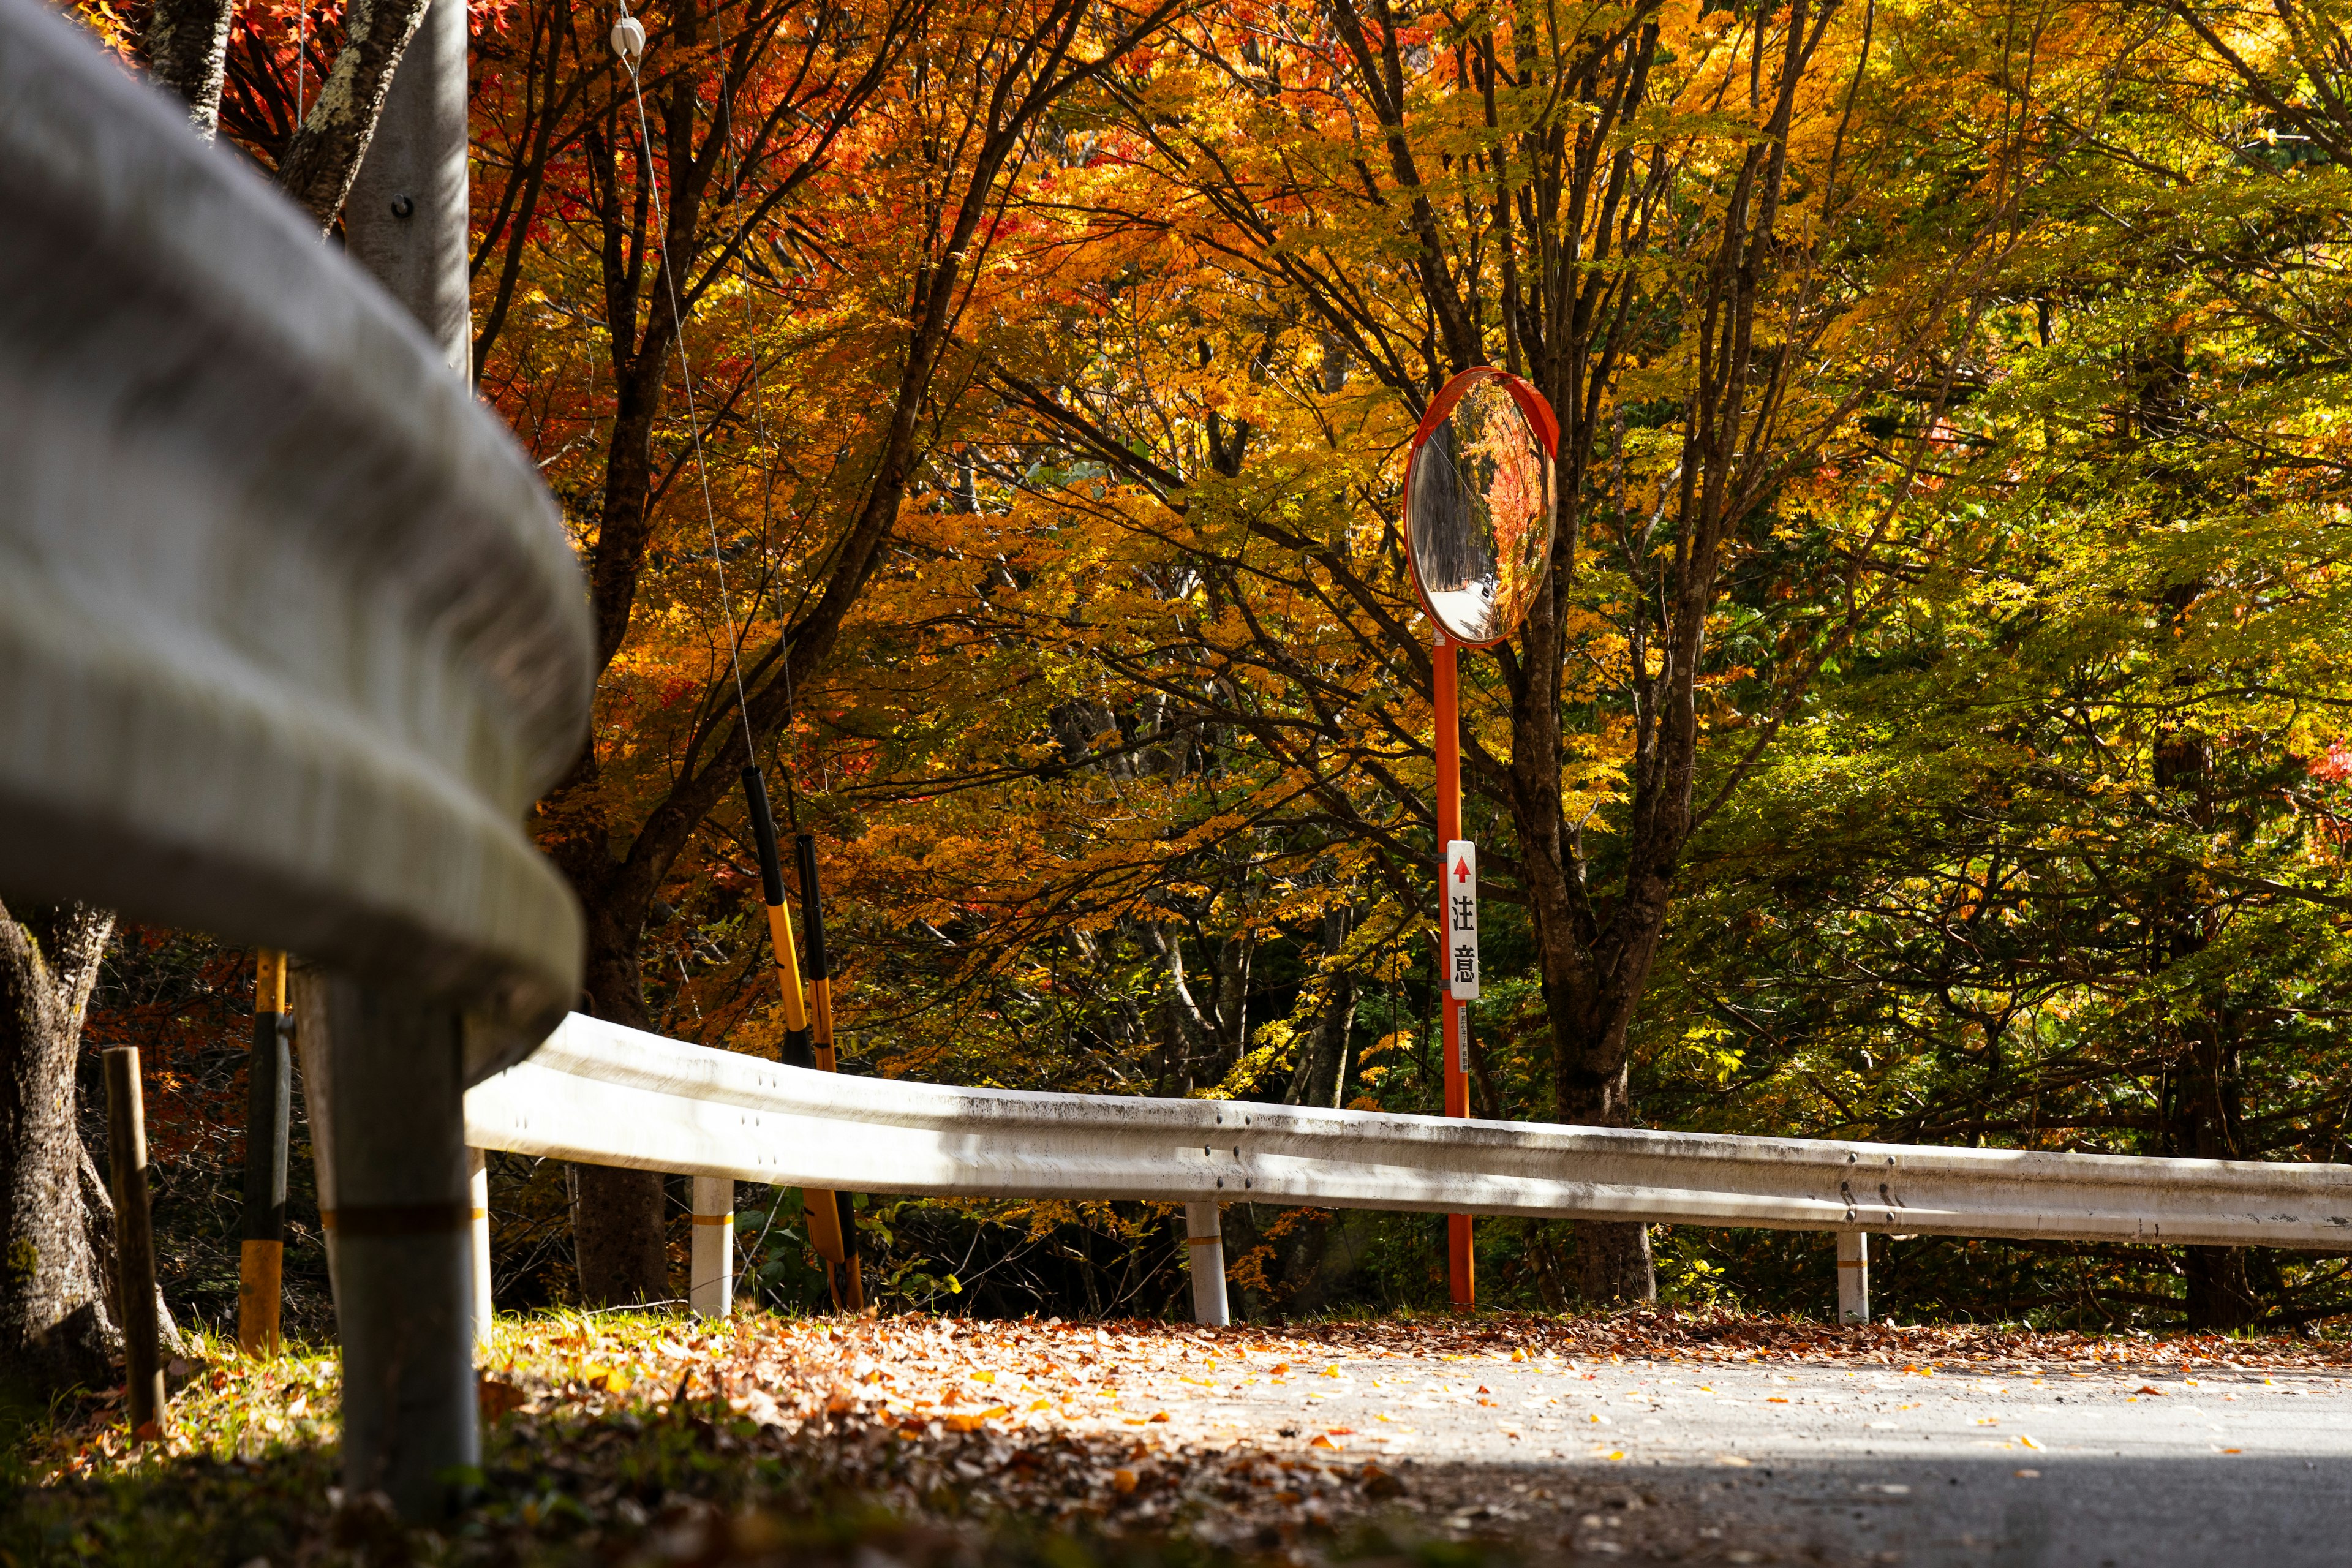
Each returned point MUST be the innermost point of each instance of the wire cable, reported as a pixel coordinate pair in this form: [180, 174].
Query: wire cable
[622, 45]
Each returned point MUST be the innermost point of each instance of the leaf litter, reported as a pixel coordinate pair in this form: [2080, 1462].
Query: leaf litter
[641, 1438]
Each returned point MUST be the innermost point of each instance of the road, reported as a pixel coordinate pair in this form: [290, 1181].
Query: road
[1780, 1461]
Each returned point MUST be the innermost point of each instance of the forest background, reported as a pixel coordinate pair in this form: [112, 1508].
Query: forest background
[1932, 729]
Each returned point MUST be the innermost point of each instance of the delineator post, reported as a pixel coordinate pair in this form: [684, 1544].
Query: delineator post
[823, 1209]
[262, 1253]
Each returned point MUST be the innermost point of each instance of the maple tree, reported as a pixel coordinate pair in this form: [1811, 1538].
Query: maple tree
[835, 181]
[2058, 859]
[1123, 754]
[1718, 307]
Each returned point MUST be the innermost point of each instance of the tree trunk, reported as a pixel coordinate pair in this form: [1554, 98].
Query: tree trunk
[2204, 1104]
[324, 156]
[1321, 1077]
[1591, 985]
[57, 1324]
[187, 51]
[617, 1238]
[619, 1242]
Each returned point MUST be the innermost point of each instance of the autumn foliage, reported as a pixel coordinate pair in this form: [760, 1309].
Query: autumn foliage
[992, 417]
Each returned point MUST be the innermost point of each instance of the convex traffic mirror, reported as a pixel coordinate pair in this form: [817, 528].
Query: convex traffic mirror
[1478, 504]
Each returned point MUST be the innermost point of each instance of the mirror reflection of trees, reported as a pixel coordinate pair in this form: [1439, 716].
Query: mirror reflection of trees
[1478, 515]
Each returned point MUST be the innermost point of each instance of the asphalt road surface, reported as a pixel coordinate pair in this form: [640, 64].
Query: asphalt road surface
[1782, 1462]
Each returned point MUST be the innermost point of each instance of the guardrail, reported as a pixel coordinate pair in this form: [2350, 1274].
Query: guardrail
[290, 634]
[290, 638]
[605, 1094]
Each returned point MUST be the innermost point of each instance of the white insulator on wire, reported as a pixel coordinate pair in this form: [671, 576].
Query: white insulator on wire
[629, 40]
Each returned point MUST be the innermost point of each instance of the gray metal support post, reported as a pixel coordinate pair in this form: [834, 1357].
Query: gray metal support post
[477, 1201]
[1205, 1239]
[395, 1110]
[407, 1286]
[710, 1287]
[1854, 1276]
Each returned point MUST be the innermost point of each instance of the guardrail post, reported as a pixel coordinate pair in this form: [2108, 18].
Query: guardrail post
[710, 1280]
[402, 1224]
[478, 1198]
[1204, 1241]
[1854, 1276]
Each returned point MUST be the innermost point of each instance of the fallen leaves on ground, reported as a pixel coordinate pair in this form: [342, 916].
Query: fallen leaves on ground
[644, 1438]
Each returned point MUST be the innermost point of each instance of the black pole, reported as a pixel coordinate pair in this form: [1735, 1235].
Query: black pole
[763, 834]
[798, 1051]
[268, 1108]
[821, 1018]
[812, 908]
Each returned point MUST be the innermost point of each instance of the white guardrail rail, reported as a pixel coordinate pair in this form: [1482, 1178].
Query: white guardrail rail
[602, 1094]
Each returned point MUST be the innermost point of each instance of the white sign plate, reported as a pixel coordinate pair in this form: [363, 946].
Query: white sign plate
[1461, 923]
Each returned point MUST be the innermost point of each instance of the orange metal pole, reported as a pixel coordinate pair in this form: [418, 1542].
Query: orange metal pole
[1461, 1261]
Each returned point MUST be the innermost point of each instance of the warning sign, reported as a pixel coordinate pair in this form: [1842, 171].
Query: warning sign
[1461, 920]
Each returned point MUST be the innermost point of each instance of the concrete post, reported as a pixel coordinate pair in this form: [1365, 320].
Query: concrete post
[710, 1278]
[405, 219]
[1854, 1276]
[478, 1200]
[1205, 1239]
[402, 1224]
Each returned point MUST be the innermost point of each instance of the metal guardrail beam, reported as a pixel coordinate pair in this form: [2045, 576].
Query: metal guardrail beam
[290, 635]
[608, 1095]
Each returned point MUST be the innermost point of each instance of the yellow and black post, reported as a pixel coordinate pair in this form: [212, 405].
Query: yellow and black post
[820, 973]
[268, 1100]
[823, 1209]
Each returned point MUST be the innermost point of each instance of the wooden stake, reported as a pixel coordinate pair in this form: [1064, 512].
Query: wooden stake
[134, 1242]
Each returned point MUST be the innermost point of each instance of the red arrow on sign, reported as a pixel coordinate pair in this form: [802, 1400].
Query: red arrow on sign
[1461, 871]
